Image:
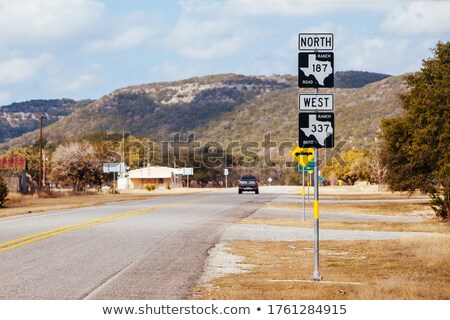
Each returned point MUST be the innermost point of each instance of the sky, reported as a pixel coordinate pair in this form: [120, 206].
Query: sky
[84, 49]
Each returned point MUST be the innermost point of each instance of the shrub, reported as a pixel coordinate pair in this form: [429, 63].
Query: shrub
[150, 187]
[3, 191]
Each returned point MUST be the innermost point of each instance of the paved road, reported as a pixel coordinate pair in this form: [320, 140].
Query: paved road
[151, 249]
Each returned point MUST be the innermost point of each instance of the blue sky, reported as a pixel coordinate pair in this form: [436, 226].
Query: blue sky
[87, 48]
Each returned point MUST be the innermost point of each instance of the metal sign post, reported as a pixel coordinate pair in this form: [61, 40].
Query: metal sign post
[309, 183]
[316, 275]
[316, 128]
[225, 172]
[188, 172]
[303, 193]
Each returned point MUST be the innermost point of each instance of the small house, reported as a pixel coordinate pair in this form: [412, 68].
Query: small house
[14, 172]
[161, 177]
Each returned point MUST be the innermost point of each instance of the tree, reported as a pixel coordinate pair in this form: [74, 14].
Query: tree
[416, 150]
[77, 163]
[377, 171]
[354, 169]
[3, 191]
[31, 153]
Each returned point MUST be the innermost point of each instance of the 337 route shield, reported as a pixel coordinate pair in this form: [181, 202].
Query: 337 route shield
[316, 130]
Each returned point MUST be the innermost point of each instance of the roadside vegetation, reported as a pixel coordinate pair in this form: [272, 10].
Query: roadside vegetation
[3, 191]
[416, 151]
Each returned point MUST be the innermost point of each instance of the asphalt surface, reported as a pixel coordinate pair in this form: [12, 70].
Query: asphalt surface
[148, 249]
[151, 249]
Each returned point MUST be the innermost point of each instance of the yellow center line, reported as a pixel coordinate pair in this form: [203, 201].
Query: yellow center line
[11, 244]
[51, 233]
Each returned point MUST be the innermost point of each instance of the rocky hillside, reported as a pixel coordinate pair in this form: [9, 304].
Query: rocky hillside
[225, 108]
[19, 118]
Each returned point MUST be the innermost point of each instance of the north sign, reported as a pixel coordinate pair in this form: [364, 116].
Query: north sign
[315, 102]
[315, 41]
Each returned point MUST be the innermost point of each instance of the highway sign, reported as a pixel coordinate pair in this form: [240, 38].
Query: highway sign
[225, 172]
[316, 130]
[113, 167]
[188, 171]
[315, 41]
[316, 70]
[302, 155]
[315, 102]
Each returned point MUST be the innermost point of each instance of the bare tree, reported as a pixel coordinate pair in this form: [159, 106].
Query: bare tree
[77, 163]
[377, 171]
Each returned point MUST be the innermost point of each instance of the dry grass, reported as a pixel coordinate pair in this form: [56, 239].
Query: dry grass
[400, 269]
[21, 204]
[435, 225]
[361, 191]
[381, 208]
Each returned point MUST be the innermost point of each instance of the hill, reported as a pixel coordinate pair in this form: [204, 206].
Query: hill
[225, 108]
[19, 118]
[356, 79]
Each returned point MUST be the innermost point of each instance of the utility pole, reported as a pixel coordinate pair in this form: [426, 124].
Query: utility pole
[40, 152]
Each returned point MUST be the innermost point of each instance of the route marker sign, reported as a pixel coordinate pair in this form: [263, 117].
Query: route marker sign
[315, 102]
[316, 70]
[302, 155]
[316, 130]
[315, 41]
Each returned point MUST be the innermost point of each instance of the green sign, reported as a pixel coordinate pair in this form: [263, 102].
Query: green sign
[321, 179]
[309, 166]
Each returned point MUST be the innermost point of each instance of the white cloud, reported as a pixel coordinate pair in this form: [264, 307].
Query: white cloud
[391, 55]
[17, 70]
[5, 97]
[83, 81]
[287, 7]
[208, 32]
[39, 21]
[67, 82]
[125, 40]
[419, 17]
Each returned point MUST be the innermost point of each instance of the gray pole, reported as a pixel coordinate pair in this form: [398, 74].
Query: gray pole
[309, 184]
[114, 185]
[316, 276]
[303, 191]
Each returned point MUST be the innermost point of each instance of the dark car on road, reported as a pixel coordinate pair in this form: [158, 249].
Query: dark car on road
[248, 183]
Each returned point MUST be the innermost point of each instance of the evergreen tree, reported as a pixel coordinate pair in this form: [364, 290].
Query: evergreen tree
[416, 151]
[3, 191]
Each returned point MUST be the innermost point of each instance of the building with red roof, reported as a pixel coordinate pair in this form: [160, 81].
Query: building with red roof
[14, 171]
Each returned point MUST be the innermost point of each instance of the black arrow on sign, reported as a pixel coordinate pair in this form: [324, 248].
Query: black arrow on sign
[303, 154]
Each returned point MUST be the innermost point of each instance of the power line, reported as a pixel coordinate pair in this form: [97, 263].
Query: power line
[215, 4]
